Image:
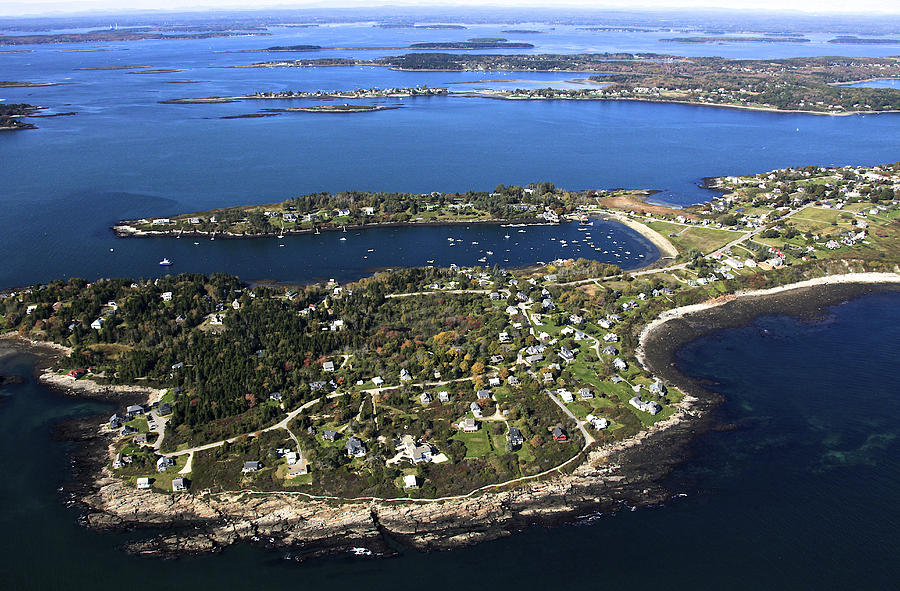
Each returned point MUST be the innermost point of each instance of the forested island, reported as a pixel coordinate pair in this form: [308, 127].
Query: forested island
[442, 405]
[811, 84]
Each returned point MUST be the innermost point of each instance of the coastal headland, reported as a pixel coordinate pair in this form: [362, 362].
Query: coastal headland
[437, 407]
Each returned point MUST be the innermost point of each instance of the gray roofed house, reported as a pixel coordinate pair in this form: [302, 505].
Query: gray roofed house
[179, 484]
[657, 388]
[128, 430]
[116, 421]
[609, 350]
[425, 398]
[649, 407]
[164, 409]
[135, 409]
[586, 393]
[355, 447]
[619, 364]
[140, 439]
[514, 436]
[329, 435]
[566, 354]
[476, 409]
[251, 466]
[276, 396]
[483, 394]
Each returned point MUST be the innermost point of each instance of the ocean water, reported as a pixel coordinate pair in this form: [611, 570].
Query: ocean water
[125, 155]
[801, 496]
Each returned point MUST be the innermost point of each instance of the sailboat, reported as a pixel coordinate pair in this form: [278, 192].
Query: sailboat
[165, 262]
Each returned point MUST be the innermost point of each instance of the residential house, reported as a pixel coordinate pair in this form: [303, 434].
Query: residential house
[167, 296]
[377, 380]
[116, 421]
[513, 381]
[179, 484]
[514, 437]
[164, 463]
[483, 394]
[469, 425]
[404, 375]
[252, 466]
[98, 324]
[597, 422]
[410, 481]
[355, 447]
[476, 410]
[566, 355]
[559, 434]
[610, 350]
[128, 430]
[610, 337]
[329, 435]
[276, 396]
[619, 365]
[657, 388]
[328, 366]
[585, 393]
[566, 396]
[494, 382]
[143, 483]
[425, 398]
[444, 396]
[140, 439]
[649, 407]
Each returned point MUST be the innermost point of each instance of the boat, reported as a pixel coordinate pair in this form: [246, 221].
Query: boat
[506, 236]
[165, 262]
[196, 243]
[521, 231]
[489, 252]
[343, 239]
[482, 260]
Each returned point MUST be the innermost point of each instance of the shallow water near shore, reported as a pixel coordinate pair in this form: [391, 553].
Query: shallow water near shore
[799, 496]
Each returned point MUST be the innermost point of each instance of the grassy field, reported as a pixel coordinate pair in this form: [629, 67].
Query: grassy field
[690, 237]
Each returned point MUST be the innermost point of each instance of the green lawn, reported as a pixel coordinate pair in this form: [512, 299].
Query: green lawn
[690, 237]
[478, 444]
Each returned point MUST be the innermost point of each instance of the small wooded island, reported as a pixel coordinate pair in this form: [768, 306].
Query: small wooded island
[808, 84]
[440, 405]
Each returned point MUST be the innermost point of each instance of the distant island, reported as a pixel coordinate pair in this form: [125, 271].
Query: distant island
[11, 84]
[361, 93]
[849, 40]
[736, 39]
[110, 35]
[439, 406]
[809, 84]
[473, 45]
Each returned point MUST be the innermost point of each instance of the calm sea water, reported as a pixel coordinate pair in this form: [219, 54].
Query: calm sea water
[802, 496]
[126, 155]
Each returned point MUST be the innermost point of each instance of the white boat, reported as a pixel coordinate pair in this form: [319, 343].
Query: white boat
[506, 235]
[165, 262]
[489, 252]
[343, 239]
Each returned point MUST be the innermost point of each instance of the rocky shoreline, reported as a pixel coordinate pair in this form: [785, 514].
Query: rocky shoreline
[627, 473]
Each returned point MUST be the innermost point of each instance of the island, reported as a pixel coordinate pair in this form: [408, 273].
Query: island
[111, 35]
[361, 93]
[435, 407]
[810, 84]
[536, 203]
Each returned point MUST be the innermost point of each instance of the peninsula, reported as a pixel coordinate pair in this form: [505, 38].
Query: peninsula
[439, 407]
[811, 85]
[11, 116]
[361, 93]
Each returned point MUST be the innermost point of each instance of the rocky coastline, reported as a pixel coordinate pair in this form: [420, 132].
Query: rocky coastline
[606, 479]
